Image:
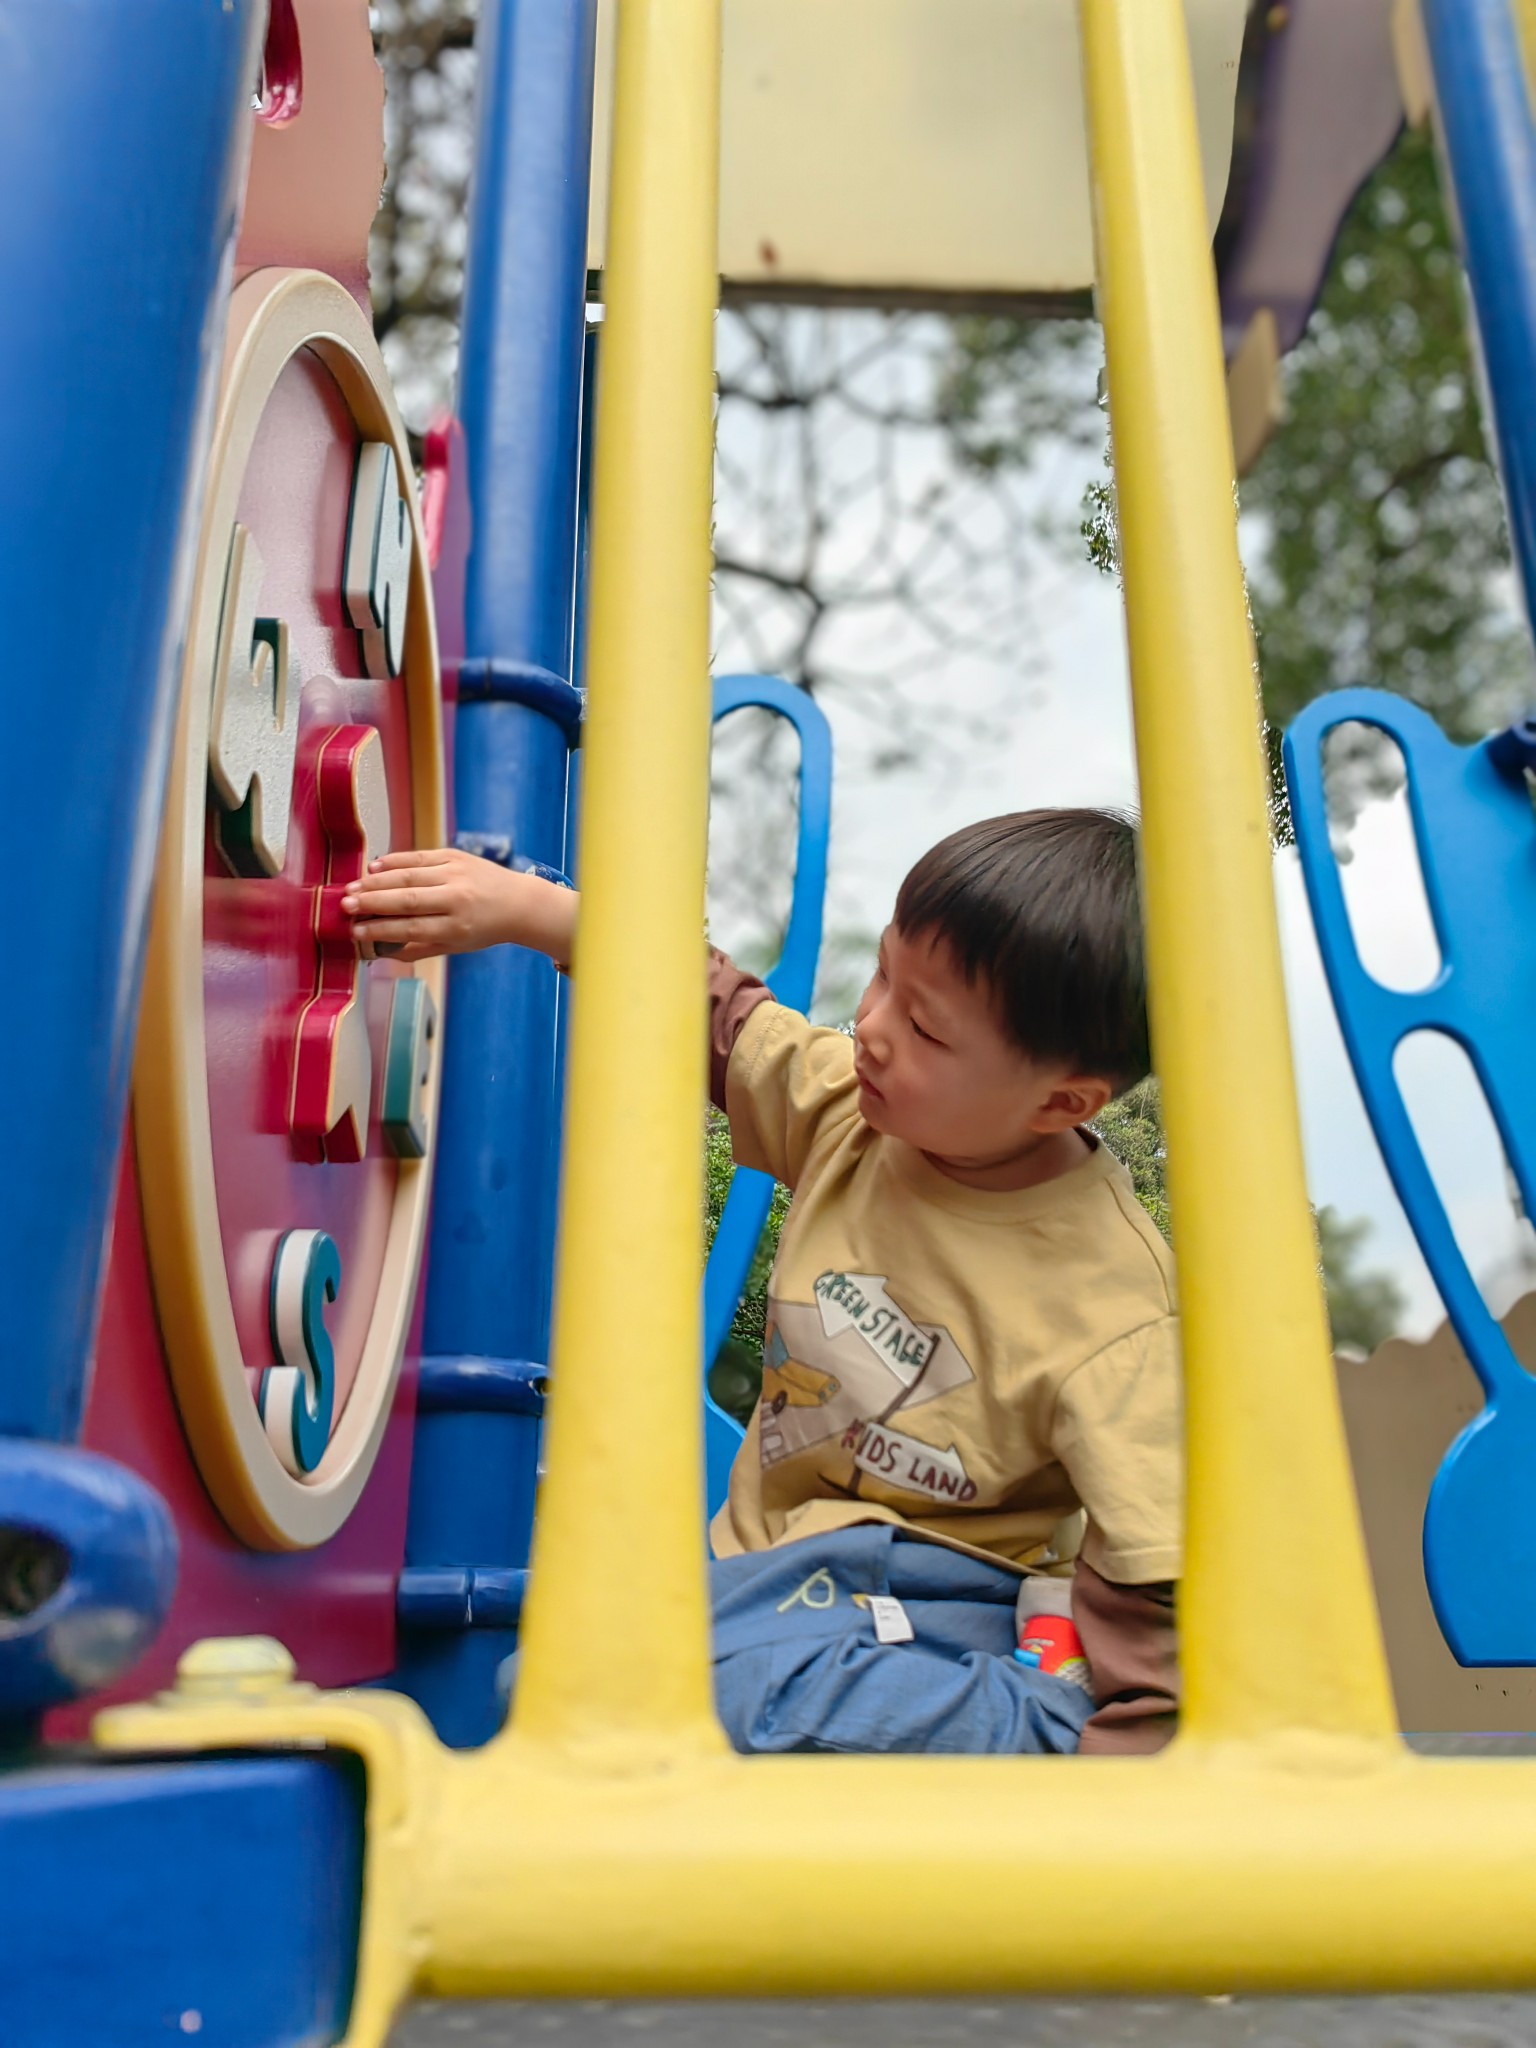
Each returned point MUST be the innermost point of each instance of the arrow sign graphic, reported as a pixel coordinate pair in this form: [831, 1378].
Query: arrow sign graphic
[916, 1467]
[858, 1301]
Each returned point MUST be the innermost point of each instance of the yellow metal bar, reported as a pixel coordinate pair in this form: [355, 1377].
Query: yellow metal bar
[911, 1876]
[1525, 25]
[1274, 1542]
[1254, 1868]
[615, 1659]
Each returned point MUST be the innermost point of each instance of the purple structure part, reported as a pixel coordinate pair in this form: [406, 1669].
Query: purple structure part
[1330, 110]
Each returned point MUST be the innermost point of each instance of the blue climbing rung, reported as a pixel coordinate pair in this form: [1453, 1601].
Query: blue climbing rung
[792, 981]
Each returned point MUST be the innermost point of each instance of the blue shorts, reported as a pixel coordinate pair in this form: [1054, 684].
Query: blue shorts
[798, 1665]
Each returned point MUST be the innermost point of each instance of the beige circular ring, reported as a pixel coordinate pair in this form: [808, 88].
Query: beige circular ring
[273, 314]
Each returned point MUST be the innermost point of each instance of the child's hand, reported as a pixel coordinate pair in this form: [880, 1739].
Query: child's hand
[417, 905]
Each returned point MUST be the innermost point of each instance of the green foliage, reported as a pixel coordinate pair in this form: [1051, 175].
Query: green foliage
[1132, 1128]
[1365, 1309]
[1382, 526]
[1100, 526]
[1016, 387]
[1374, 522]
[736, 1375]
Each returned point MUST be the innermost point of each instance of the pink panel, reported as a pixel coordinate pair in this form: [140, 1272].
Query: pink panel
[446, 516]
[316, 174]
[333, 1606]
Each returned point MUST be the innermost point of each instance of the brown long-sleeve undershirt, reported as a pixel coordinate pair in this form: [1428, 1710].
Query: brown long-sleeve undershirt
[1130, 1638]
[733, 996]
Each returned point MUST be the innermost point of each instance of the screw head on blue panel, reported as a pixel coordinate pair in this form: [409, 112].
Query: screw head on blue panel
[1513, 751]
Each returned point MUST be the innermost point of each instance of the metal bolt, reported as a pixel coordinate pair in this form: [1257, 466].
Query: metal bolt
[234, 1667]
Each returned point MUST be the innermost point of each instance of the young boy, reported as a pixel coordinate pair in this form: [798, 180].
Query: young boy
[971, 1337]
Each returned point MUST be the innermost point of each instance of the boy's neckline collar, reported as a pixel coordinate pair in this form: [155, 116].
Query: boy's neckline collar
[1007, 1205]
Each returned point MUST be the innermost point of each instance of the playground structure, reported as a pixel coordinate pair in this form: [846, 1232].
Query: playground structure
[274, 1432]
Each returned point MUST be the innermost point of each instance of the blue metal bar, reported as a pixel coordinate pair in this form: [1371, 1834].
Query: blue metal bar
[521, 682]
[459, 1597]
[493, 1226]
[122, 152]
[1490, 144]
[497, 846]
[473, 1478]
[164, 1902]
[793, 981]
[481, 1386]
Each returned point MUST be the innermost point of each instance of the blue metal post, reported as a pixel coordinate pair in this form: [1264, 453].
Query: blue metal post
[519, 713]
[122, 150]
[123, 141]
[1490, 144]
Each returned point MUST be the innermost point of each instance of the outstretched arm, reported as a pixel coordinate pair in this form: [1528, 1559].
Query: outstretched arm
[439, 900]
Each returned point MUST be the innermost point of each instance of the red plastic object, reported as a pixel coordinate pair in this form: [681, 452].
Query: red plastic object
[1051, 1643]
[332, 1065]
[282, 68]
[445, 514]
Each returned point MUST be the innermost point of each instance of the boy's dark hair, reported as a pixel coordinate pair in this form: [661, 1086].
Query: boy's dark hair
[1044, 908]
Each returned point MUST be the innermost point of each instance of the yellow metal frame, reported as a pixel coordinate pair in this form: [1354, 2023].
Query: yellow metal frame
[607, 1842]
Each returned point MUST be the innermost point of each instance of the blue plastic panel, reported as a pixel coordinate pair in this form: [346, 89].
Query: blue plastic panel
[1476, 835]
[792, 981]
[152, 1903]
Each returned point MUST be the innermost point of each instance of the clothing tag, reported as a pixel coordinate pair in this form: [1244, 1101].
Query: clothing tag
[890, 1619]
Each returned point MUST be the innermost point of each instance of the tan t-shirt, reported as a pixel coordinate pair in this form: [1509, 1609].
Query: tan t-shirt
[975, 1366]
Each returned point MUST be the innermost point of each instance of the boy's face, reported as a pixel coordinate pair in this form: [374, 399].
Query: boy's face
[936, 1068]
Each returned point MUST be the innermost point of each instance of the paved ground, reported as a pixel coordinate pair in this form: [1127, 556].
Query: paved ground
[1020, 2023]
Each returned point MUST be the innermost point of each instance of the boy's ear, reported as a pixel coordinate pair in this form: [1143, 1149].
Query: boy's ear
[1076, 1100]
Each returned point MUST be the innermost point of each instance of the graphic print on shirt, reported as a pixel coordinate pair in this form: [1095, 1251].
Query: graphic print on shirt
[907, 1462]
[836, 1371]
